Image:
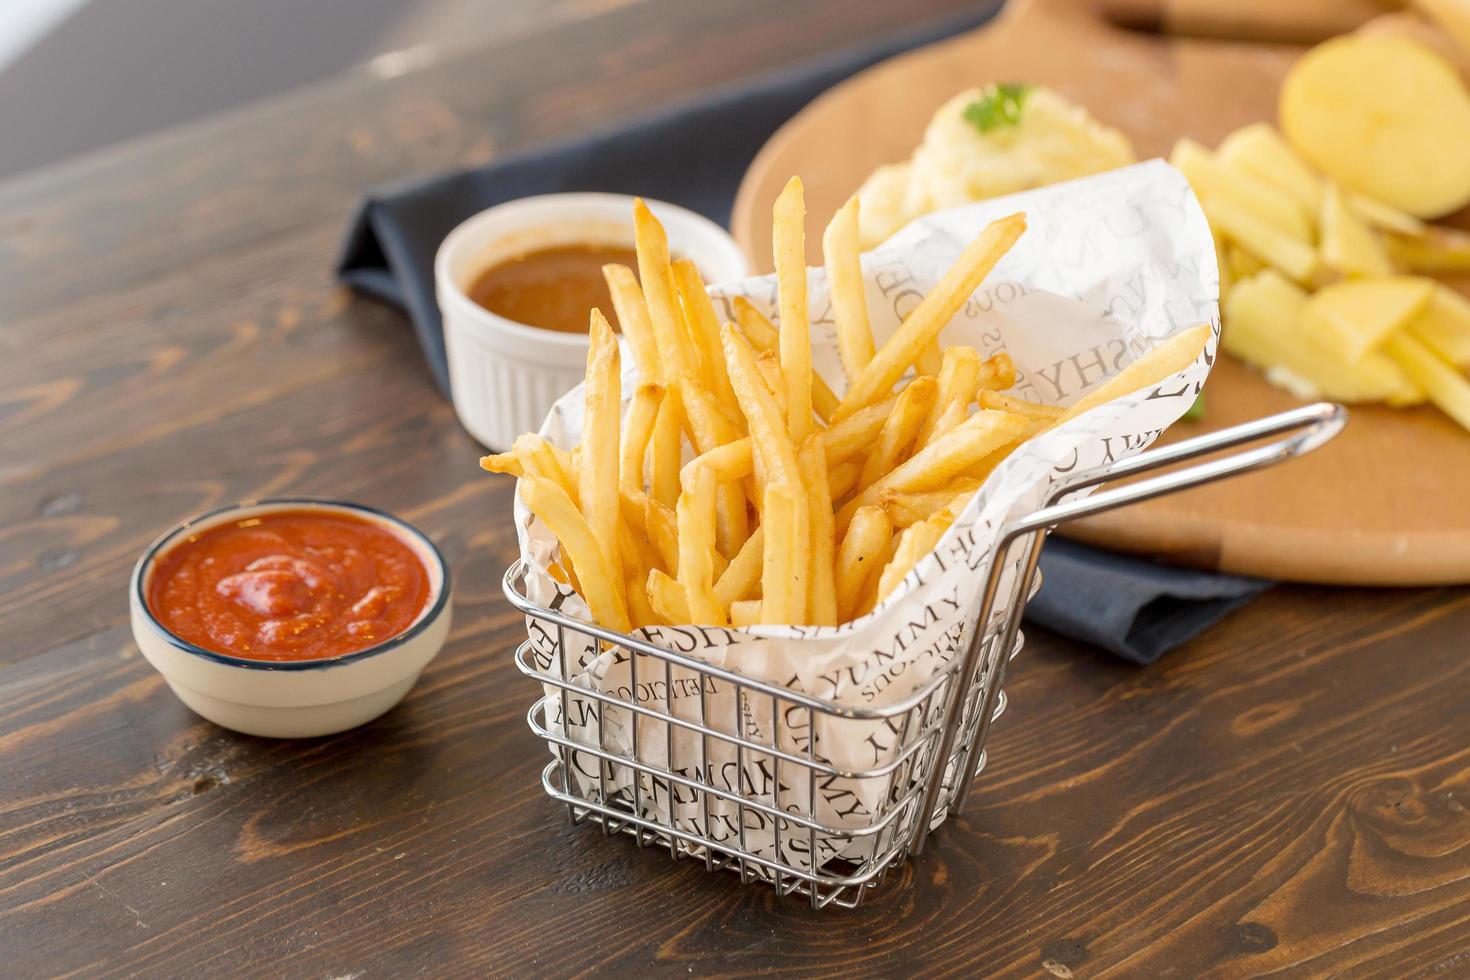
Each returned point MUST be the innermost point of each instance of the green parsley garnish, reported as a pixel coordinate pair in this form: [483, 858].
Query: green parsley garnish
[1000, 106]
[1195, 412]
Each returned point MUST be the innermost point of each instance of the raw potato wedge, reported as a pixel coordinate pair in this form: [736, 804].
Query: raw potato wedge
[1436, 250]
[1356, 317]
[1262, 239]
[1445, 386]
[1385, 116]
[1348, 244]
[1261, 317]
[1444, 326]
[1261, 151]
[1245, 190]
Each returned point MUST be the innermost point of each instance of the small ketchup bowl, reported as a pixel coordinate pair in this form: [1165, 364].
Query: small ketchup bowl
[286, 688]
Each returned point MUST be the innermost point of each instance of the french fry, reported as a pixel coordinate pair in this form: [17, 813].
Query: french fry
[579, 545]
[764, 336]
[900, 430]
[786, 555]
[856, 432]
[705, 421]
[728, 463]
[664, 456]
[657, 277]
[640, 607]
[842, 479]
[1018, 406]
[954, 413]
[869, 598]
[867, 536]
[1170, 357]
[743, 574]
[845, 281]
[731, 462]
[959, 374]
[789, 243]
[770, 366]
[905, 509]
[930, 360]
[768, 432]
[632, 311]
[597, 475]
[695, 515]
[637, 431]
[704, 332]
[745, 612]
[931, 315]
[667, 598]
[913, 544]
[662, 528]
[821, 595]
[997, 373]
[937, 463]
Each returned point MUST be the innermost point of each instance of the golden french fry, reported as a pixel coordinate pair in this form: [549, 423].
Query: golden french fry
[899, 429]
[705, 421]
[657, 277]
[842, 479]
[959, 373]
[729, 463]
[637, 431]
[936, 463]
[788, 235]
[640, 608]
[845, 281]
[856, 432]
[1170, 357]
[786, 555]
[667, 598]
[743, 574]
[695, 515]
[770, 366]
[905, 509]
[663, 461]
[913, 544]
[768, 432]
[997, 373]
[821, 592]
[764, 336]
[745, 612]
[632, 311]
[867, 536]
[930, 359]
[662, 527]
[1018, 406]
[954, 413]
[869, 598]
[931, 315]
[597, 474]
[704, 331]
[579, 545]
[639, 554]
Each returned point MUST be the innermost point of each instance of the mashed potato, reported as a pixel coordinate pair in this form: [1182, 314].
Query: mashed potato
[1036, 138]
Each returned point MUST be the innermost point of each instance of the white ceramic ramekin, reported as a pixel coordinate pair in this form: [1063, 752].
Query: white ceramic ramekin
[505, 375]
[298, 698]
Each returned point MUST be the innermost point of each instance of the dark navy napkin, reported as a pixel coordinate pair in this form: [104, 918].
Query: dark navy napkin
[694, 155]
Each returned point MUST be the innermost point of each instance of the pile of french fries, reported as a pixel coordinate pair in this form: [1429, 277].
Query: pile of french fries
[797, 506]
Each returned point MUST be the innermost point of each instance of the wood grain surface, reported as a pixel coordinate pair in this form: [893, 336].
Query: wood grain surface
[1289, 793]
[1369, 509]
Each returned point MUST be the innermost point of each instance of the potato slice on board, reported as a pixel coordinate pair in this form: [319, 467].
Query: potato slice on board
[1348, 244]
[1356, 317]
[1385, 116]
[1444, 326]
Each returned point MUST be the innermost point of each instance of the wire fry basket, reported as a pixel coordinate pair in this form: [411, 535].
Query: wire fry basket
[758, 795]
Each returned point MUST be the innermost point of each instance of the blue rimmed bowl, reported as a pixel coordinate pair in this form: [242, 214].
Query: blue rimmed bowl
[297, 698]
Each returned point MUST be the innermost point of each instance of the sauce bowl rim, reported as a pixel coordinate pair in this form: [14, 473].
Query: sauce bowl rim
[425, 619]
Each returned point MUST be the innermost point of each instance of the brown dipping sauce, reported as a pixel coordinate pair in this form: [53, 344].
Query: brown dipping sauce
[552, 288]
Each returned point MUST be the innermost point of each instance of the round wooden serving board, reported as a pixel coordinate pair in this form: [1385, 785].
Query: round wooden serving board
[1385, 503]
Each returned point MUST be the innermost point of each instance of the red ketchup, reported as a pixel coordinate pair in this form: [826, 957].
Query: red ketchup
[289, 585]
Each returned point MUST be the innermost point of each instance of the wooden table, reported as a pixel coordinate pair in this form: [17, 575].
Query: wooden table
[1290, 792]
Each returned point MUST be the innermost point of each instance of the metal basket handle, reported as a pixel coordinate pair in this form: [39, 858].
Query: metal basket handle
[1312, 425]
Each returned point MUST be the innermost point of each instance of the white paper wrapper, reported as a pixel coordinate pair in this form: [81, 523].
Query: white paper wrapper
[1109, 265]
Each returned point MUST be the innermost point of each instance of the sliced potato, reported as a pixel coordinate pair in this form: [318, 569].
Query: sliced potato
[1444, 385]
[1262, 239]
[1261, 328]
[1356, 317]
[1348, 244]
[1266, 201]
[1444, 325]
[1260, 150]
[1243, 264]
[1436, 250]
[1384, 216]
[1385, 116]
